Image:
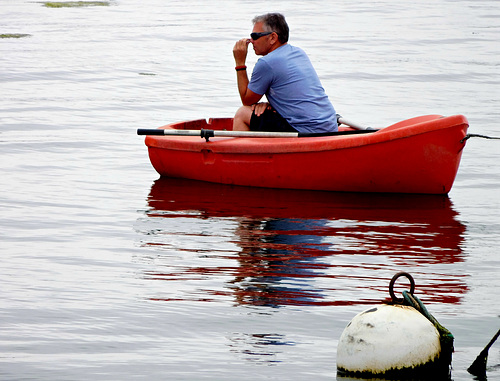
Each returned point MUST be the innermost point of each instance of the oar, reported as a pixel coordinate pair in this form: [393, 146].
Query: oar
[207, 134]
[478, 367]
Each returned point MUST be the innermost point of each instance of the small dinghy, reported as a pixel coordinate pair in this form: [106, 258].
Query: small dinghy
[418, 155]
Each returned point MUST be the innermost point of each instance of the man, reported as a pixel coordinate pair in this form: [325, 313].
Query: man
[297, 100]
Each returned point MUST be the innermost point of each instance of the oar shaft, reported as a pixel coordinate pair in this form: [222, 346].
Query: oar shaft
[353, 124]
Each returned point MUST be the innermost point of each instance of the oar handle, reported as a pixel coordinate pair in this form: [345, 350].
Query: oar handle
[149, 131]
[161, 131]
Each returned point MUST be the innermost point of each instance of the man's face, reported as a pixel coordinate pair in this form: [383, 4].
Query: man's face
[262, 45]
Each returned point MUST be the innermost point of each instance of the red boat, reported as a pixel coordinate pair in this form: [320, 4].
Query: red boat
[418, 155]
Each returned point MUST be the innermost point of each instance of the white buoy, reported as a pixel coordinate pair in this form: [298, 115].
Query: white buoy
[389, 339]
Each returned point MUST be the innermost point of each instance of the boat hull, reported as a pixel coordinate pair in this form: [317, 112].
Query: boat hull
[419, 155]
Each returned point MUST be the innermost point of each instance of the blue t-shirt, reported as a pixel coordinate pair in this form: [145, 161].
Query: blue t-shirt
[293, 88]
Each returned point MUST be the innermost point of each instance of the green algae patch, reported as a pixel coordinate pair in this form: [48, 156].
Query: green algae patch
[14, 35]
[75, 4]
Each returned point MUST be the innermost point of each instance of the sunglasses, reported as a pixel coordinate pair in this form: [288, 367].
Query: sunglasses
[255, 36]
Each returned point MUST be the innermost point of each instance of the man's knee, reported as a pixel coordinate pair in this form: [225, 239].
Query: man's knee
[244, 113]
[242, 118]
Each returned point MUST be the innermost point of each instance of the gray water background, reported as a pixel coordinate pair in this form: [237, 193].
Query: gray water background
[98, 282]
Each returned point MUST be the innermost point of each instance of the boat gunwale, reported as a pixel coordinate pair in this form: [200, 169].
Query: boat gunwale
[402, 130]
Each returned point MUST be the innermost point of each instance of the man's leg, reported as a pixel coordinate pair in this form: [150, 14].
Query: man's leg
[242, 118]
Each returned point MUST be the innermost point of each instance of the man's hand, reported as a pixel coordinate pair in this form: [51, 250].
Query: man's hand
[240, 51]
[259, 108]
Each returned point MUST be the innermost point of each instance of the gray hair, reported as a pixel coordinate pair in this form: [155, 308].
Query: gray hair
[274, 22]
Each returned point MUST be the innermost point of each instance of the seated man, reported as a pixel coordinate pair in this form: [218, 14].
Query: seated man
[297, 100]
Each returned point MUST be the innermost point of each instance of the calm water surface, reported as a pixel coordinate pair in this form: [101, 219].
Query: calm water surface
[109, 273]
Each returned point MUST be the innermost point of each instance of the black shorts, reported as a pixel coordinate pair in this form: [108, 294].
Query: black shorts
[270, 120]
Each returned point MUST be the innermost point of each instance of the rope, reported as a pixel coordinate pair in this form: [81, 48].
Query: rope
[445, 336]
[468, 136]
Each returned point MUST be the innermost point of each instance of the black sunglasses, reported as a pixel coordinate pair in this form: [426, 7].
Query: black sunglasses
[255, 36]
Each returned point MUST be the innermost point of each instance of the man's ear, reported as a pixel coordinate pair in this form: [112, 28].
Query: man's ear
[274, 38]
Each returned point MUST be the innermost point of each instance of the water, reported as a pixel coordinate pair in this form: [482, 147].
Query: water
[111, 274]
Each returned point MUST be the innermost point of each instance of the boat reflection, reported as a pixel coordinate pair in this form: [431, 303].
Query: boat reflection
[270, 247]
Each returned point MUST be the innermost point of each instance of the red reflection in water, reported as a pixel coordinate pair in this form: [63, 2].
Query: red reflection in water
[315, 248]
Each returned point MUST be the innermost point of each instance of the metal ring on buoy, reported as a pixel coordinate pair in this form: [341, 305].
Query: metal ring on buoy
[391, 286]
